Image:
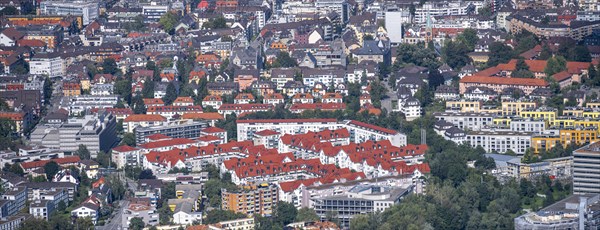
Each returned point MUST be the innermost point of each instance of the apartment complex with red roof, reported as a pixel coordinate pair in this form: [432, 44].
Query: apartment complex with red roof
[237, 109]
[63, 162]
[170, 111]
[300, 107]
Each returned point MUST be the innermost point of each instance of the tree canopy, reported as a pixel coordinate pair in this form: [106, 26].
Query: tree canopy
[168, 21]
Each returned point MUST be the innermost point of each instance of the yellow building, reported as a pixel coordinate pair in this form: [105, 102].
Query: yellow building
[515, 107]
[575, 122]
[573, 112]
[546, 142]
[464, 106]
[501, 121]
[567, 136]
[591, 114]
[593, 105]
[579, 136]
[548, 114]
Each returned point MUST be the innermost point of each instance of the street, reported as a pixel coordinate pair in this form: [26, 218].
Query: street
[116, 220]
[391, 96]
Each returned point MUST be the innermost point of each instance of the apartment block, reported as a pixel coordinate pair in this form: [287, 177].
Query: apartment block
[474, 121]
[586, 169]
[362, 199]
[257, 199]
[500, 141]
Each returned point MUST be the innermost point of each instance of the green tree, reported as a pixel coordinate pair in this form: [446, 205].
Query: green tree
[546, 52]
[306, 214]
[123, 89]
[415, 54]
[16, 169]
[103, 159]
[139, 107]
[469, 38]
[9, 10]
[165, 213]
[579, 53]
[170, 95]
[555, 65]
[117, 187]
[35, 224]
[109, 66]
[128, 139]
[284, 60]
[455, 54]
[146, 174]
[499, 53]
[168, 22]
[216, 215]
[51, 168]
[285, 213]
[83, 152]
[148, 89]
[136, 223]
[486, 12]
[47, 90]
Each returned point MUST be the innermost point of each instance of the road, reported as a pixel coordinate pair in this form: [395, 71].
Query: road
[116, 220]
[391, 96]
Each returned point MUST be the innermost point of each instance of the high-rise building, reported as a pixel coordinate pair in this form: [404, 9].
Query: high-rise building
[586, 169]
[89, 10]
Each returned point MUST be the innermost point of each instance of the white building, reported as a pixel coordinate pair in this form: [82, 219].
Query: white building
[154, 11]
[89, 10]
[470, 121]
[500, 141]
[86, 210]
[359, 131]
[50, 65]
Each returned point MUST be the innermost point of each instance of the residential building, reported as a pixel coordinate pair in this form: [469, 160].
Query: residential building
[79, 104]
[500, 141]
[467, 120]
[142, 120]
[87, 210]
[140, 209]
[176, 129]
[237, 109]
[47, 64]
[498, 84]
[258, 199]
[362, 199]
[585, 173]
[359, 131]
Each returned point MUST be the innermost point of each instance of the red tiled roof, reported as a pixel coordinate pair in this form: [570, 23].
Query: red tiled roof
[124, 148]
[158, 136]
[266, 132]
[246, 107]
[60, 161]
[213, 130]
[174, 108]
[166, 143]
[204, 116]
[321, 106]
[153, 101]
[212, 98]
[302, 96]
[144, 117]
[184, 100]
[373, 127]
[561, 76]
[209, 138]
[274, 96]
[31, 43]
[287, 120]
[504, 81]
